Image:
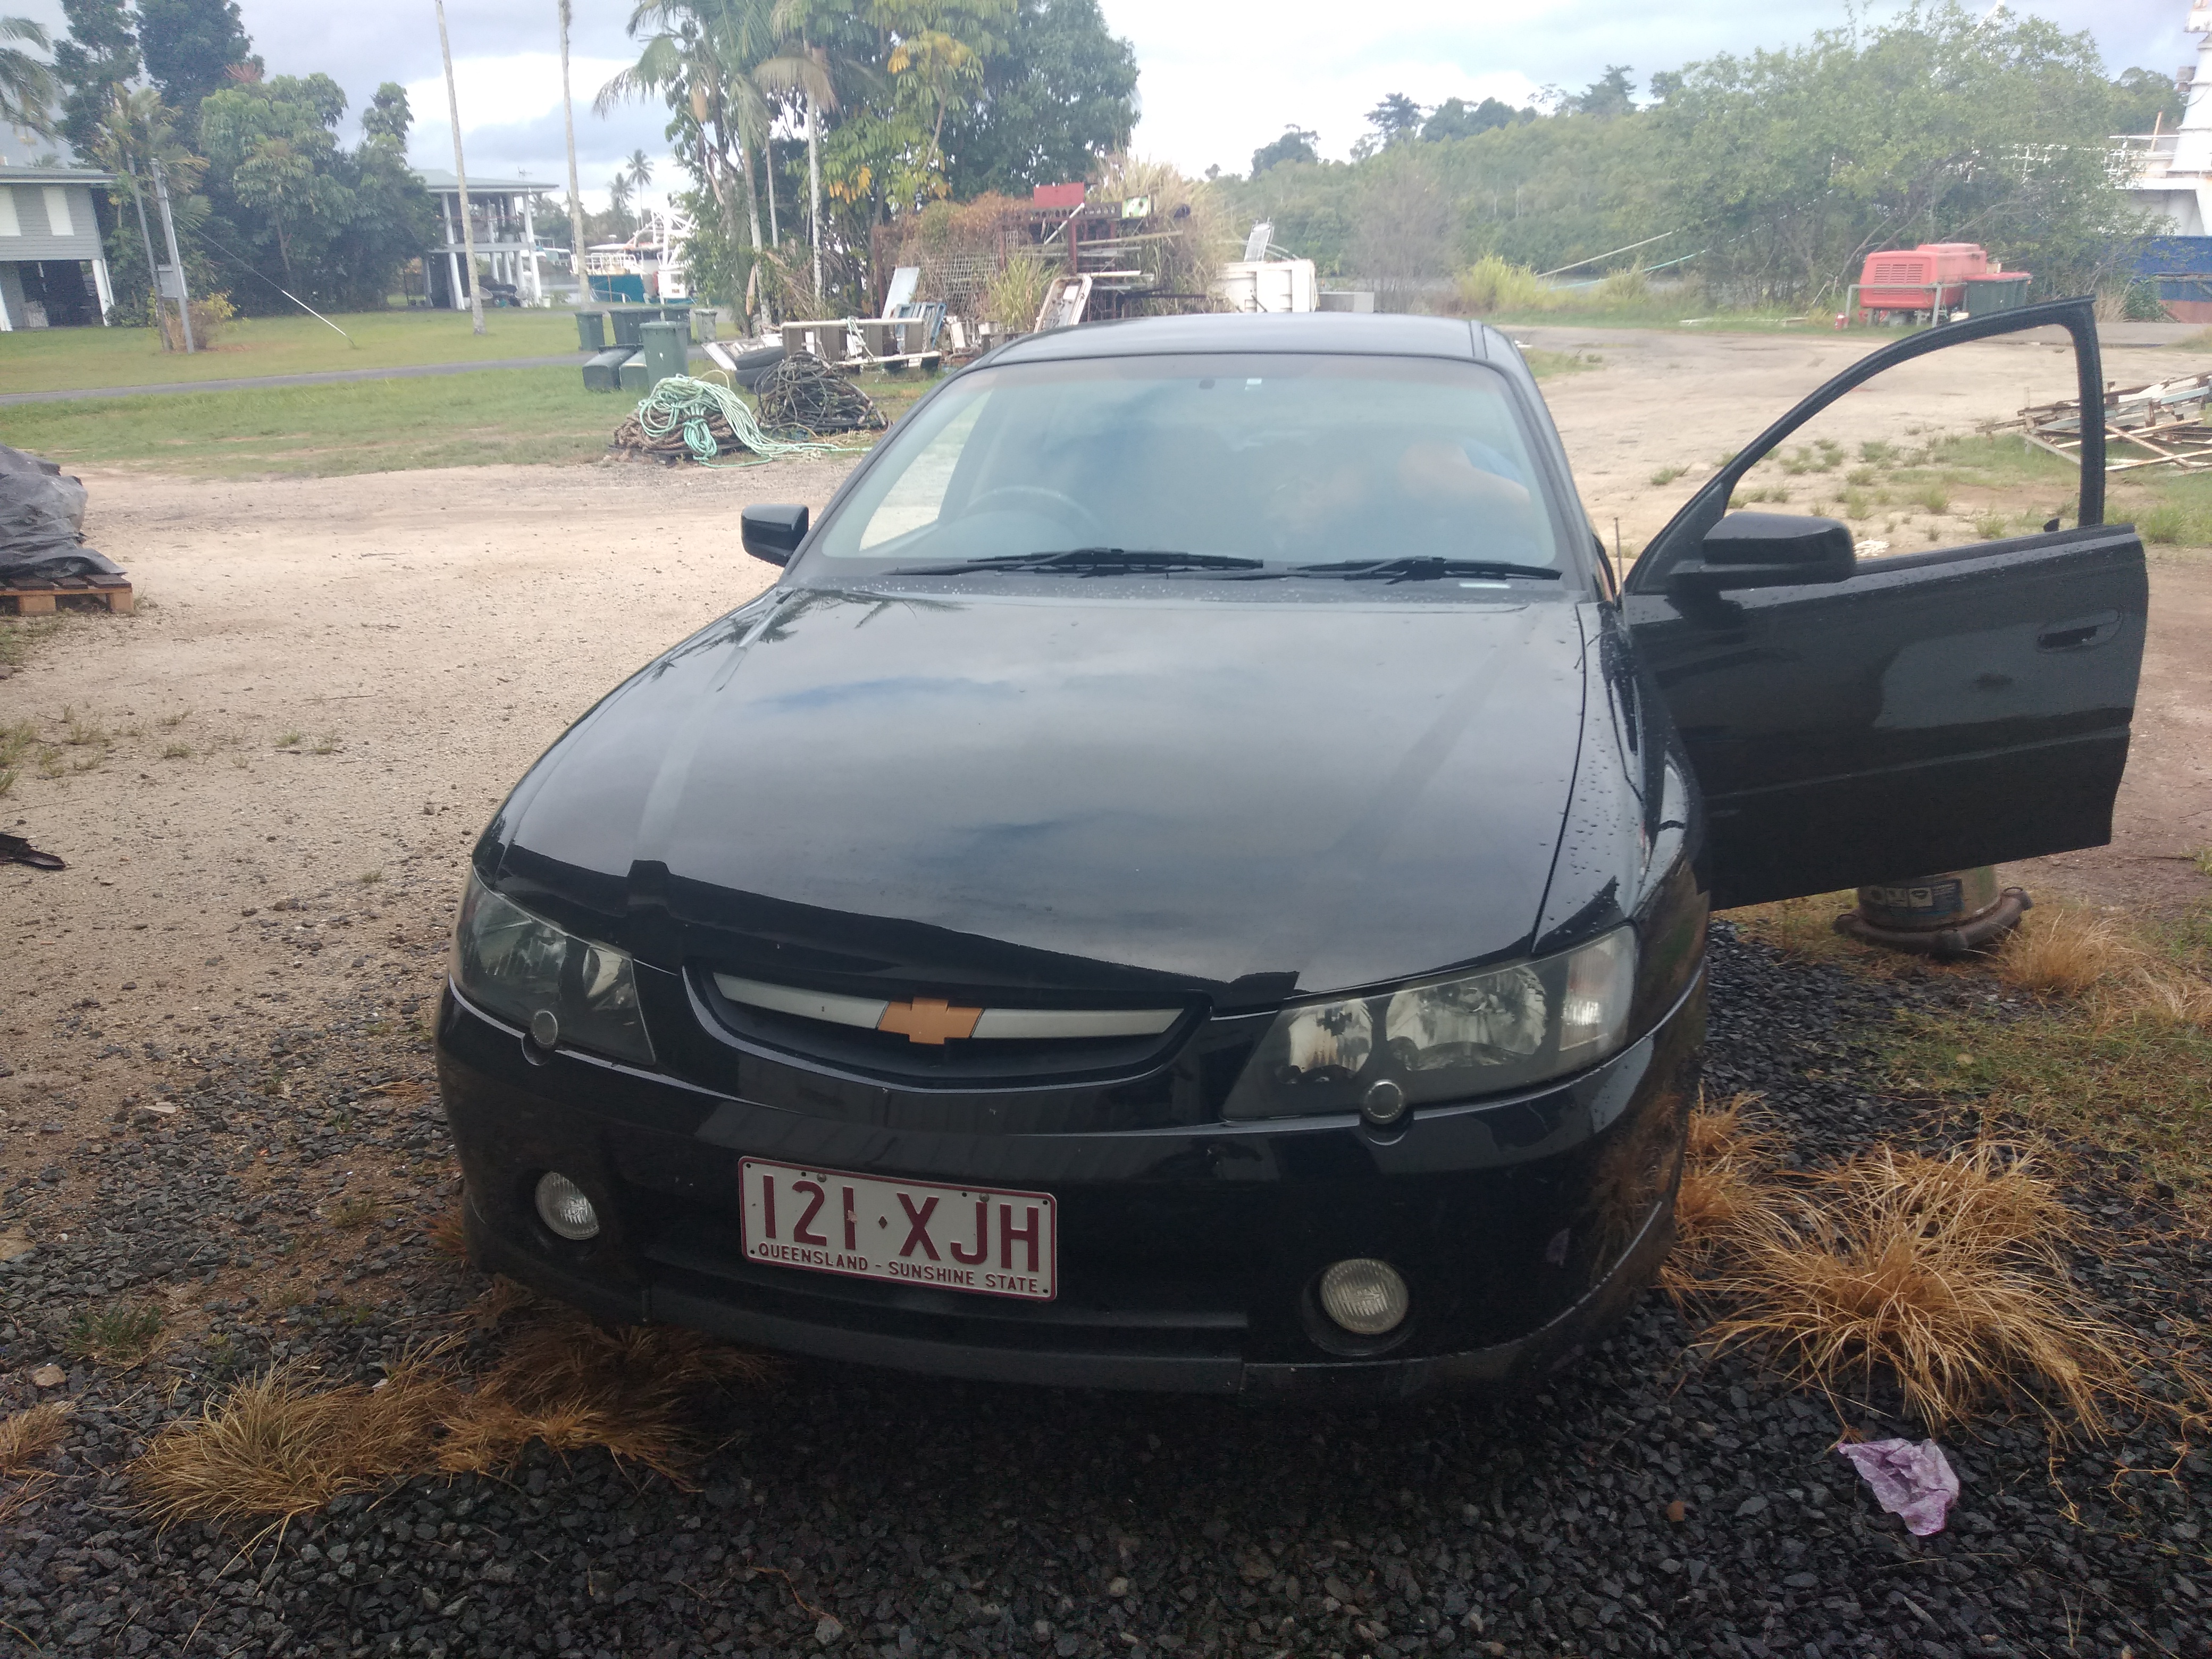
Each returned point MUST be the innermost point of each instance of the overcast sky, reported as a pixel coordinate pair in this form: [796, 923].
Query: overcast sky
[1217, 80]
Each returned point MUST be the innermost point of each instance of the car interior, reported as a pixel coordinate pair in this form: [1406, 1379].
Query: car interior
[1304, 469]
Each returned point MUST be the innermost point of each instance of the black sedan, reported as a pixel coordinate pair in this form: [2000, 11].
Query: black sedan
[1196, 876]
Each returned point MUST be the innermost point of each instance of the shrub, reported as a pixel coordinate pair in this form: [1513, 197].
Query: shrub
[1624, 287]
[2166, 523]
[1012, 298]
[209, 314]
[1493, 284]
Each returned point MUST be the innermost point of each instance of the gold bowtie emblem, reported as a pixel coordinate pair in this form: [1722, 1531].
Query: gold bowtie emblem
[928, 1019]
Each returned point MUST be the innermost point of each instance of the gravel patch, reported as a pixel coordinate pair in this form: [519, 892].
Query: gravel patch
[1647, 1501]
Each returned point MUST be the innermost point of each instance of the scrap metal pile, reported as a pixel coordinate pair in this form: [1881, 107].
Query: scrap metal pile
[684, 419]
[2161, 424]
[802, 396]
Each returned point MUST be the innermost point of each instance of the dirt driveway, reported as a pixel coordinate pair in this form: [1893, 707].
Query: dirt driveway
[266, 783]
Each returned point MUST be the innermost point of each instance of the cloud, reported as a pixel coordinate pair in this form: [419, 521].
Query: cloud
[1217, 81]
[511, 122]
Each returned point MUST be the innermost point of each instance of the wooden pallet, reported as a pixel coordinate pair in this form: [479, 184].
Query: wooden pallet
[41, 596]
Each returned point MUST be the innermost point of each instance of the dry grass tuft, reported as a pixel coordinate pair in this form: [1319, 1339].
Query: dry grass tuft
[277, 1447]
[1947, 1274]
[448, 1236]
[573, 1383]
[2061, 949]
[28, 1435]
[1725, 1169]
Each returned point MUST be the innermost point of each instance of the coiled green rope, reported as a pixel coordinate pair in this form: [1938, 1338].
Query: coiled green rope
[681, 403]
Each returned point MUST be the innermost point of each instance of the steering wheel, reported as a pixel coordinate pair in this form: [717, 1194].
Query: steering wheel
[1065, 507]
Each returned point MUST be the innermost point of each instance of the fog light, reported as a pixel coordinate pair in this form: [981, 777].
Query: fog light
[562, 1207]
[1382, 1102]
[1366, 1296]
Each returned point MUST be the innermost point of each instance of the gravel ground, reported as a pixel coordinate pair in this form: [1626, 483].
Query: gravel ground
[1648, 1501]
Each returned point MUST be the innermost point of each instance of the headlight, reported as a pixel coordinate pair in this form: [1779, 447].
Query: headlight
[557, 987]
[1473, 1034]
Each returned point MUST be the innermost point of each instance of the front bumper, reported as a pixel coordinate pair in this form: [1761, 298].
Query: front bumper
[1188, 1255]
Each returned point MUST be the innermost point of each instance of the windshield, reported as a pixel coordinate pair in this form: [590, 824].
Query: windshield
[1229, 466]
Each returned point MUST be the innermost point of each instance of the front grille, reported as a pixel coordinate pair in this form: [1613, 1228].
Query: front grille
[955, 1063]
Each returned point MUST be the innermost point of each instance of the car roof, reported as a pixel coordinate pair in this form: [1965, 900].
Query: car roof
[1348, 332]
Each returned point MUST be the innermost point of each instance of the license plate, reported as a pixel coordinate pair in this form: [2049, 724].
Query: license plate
[983, 1239]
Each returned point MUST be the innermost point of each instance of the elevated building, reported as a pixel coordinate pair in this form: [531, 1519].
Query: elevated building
[506, 239]
[53, 271]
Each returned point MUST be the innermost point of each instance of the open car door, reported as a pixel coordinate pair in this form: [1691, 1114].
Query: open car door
[1863, 720]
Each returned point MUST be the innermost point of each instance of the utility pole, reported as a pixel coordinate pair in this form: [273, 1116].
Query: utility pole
[575, 196]
[153, 265]
[461, 178]
[182, 296]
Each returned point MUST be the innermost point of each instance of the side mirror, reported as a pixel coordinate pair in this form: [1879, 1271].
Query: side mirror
[772, 533]
[1770, 549]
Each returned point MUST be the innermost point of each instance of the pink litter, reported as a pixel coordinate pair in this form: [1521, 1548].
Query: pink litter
[1914, 1482]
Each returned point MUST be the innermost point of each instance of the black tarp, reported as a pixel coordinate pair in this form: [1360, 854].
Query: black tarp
[42, 521]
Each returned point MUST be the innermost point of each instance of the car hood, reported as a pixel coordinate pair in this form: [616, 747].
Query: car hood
[1244, 796]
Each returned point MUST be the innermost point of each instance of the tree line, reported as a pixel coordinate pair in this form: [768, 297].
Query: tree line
[268, 201]
[1767, 177]
[806, 125]
[804, 128]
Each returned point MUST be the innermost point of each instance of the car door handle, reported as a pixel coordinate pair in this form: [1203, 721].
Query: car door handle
[2078, 632]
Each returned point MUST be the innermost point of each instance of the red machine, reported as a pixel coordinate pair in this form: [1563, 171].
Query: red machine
[1904, 284]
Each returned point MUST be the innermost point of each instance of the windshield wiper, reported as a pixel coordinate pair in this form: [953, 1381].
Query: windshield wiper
[1424, 570]
[1095, 561]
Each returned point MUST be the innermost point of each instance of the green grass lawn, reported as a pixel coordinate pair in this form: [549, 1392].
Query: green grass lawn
[512, 414]
[515, 416]
[64, 359]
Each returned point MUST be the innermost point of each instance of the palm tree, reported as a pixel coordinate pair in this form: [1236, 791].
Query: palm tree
[641, 175]
[141, 129]
[27, 86]
[575, 195]
[701, 54]
[618, 189]
[460, 179]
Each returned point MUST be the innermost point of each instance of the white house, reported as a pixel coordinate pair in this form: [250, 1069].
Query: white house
[506, 238]
[53, 272]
